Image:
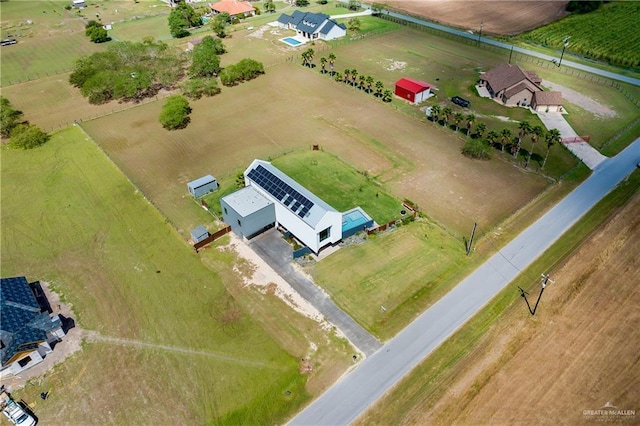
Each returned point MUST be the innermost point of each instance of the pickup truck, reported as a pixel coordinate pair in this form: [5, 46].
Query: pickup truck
[14, 411]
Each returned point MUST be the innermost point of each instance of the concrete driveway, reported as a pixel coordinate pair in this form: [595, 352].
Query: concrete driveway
[585, 152]
[274, 250]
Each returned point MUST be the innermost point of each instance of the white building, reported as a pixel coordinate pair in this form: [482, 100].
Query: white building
[273, 198]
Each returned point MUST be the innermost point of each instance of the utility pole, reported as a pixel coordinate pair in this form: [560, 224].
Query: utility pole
[480, 34]
[473, 232]
[565, 42]
[545, 280]
[510, 54]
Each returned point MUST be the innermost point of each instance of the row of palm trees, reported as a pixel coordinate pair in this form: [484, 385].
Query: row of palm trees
[350, 76]
[504, 138]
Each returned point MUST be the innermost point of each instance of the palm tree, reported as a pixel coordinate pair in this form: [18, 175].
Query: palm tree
[362, 79]
[480, 129]
[435, 113]
[323, 64]
[536, 133]
[354, 76]
[338, 77]
[471, 119]
[310, 54]
[347, 73]
[551, 138]
[305, 58]
[493, 137]
[370, 81]
[332, 61]
[387, 95]
[505, 138]
[525, 128]
[379, 87]
[457, 118]
[446, 113]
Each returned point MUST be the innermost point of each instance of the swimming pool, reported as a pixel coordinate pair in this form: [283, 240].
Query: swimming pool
[291, 41]
[354, 221]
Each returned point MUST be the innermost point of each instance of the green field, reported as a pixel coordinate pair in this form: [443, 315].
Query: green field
[405, 271]
[85, 229]
[608, 34]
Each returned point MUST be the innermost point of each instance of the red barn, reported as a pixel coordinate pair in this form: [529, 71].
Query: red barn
[411, 90]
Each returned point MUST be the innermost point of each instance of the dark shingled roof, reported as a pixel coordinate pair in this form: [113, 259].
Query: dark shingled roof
[23, 326]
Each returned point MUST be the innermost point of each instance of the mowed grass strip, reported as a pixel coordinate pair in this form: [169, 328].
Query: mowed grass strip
[405, 271]
[70, 218]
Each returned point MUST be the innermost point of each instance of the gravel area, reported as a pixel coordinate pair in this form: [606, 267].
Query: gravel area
[581, 100]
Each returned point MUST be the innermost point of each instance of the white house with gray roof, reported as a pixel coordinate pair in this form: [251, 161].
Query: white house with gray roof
[270, 197]
[312, 26]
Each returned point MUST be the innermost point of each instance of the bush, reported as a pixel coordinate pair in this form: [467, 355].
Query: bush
[475, 148]
[9, 117]
[195, 88]
[205, 62]
[175, 113]
[27, 136]
[246, 69]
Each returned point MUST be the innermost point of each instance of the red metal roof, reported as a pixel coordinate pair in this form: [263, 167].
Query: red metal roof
[412, 85]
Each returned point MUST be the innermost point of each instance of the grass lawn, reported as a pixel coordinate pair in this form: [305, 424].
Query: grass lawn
[339, 184]
[405, 271]
[81, 226]
[429, 386]
[135, 30]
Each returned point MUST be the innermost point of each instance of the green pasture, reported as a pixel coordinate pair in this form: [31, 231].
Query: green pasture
[432, 378]
[82, 227]
[608, 34]
[405, 271]
[339, 184]
[136, 30]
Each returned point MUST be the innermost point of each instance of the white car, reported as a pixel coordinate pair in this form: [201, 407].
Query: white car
[15, 413]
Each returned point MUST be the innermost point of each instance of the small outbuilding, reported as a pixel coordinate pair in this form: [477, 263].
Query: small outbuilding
[78, 4]
[202, 186]
[191, 44]
[199, 233]
[414, 91]
[248, 212]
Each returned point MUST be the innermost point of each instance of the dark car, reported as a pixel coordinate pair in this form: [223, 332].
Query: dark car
[8, 41]
[460, 101]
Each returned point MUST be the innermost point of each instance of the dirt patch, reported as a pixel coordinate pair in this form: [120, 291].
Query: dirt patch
[584, 102]
[497, 17]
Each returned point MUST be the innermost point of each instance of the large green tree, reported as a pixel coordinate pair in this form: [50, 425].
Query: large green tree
[181, 18]
[219, 24]
[96, 32]
[27, 136]
[175, 113]
[205, 61]
[127, 70]
[195, 88]
[9, 117]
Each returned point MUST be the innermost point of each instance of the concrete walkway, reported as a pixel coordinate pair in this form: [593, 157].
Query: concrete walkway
[351, 15]
[585, 152]
[274, 250]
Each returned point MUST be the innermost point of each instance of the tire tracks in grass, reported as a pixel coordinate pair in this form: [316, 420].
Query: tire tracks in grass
[93, 336]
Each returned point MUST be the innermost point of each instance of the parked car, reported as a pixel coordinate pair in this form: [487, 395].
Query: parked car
[460, 101]
[8, 41]
[14, 412]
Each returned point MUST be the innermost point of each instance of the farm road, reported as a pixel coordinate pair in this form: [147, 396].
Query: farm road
[373, 377]
[278, 254]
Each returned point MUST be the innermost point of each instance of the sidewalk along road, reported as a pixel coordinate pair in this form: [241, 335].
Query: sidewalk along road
[355, 392]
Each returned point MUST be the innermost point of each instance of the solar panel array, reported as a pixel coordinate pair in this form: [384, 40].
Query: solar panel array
[283, 192]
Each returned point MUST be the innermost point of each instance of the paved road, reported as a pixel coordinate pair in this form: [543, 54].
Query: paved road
[278, 254]
[354, 393]
[507, 46]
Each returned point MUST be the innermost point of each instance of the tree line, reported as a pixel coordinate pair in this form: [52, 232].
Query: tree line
[21, 134]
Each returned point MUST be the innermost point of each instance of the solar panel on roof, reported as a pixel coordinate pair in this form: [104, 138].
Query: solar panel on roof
[280, 190]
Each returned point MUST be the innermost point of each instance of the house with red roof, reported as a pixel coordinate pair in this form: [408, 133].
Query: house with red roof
[240, 9]
[414, 91]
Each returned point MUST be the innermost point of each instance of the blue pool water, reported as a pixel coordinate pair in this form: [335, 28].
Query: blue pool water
[291, 41]
[354, 221]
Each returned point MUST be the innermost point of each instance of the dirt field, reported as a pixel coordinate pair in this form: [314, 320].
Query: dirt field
[577, 355]
[497, 17]
[228, 131]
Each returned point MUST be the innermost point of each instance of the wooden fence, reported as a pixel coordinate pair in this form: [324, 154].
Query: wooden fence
[211, 238]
